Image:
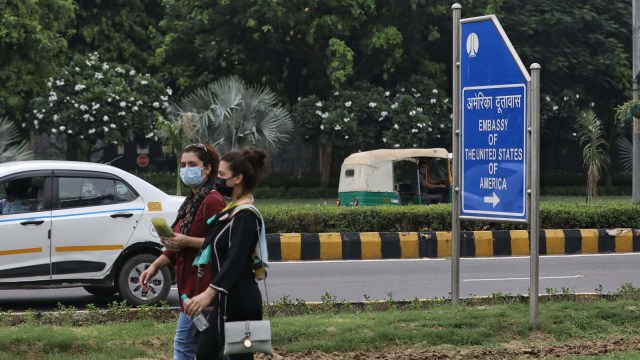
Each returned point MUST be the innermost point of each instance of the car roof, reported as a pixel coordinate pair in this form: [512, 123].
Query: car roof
[381, 155]
[17, 166]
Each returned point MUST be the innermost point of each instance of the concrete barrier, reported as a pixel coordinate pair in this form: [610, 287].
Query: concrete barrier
[434, 244]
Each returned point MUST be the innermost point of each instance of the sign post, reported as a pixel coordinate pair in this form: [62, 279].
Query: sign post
[495, 136]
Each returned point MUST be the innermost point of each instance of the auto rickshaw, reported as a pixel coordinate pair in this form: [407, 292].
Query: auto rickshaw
[392, 177]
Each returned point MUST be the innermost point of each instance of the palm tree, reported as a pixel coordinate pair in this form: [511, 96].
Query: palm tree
[233, 115]
[11, 149]
[594, 150]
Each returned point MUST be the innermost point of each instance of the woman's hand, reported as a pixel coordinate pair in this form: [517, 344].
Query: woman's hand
[146, 276]
[200, 301]
[170, 243]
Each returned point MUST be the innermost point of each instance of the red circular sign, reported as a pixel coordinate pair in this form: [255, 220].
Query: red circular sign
[142, 160]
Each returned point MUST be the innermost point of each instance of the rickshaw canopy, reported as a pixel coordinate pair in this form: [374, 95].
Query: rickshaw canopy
[373, 170]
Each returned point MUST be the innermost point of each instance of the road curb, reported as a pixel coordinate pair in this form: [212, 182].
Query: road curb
[437, 244]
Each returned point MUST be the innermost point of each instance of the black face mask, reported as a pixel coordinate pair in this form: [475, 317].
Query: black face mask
[222, 188]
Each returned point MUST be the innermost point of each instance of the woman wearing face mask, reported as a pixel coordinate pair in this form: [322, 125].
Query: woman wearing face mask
[198, 168]
[233, 290]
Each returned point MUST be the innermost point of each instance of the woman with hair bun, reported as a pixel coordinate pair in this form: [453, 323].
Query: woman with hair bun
[237, 255]
[198, 170]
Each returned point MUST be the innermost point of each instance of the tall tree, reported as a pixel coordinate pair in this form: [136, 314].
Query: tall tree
[122, 31]
[33, 39]
[584, 47]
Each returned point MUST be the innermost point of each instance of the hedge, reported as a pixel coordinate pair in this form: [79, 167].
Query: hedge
[309, 219]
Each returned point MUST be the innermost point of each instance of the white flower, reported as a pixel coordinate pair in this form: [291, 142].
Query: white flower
[394, 105]
[156, 105]
[413, 131]
[149, 135]
[99, 75]
[347, 104]
[346, 119]
[395, 126]
[49, 84]
[420, 125]
[105, 129]
[430, 129]
[84, 107]
[86, 117]
[442, 126]
[132, 72]
[413, 90]
[555, 108]
[165, 105]
[105, 118]
[56, 117]
[54, 131]
[337, 127]
[592, 104]
[79, 87]
[135, 108]
[319, 104]
[417, 95]
[384, 113]
[121, 113]
[144, 82]
[387, 93]
[109, 99]
[319, 113]
[372, 105]
[77, 69]
[325, 115]
[433, 101]
[412, 113]
[419, 109]
[63, 128]
[346, 136]
[164, 98]
[113, 126]
[139, 102]
[91, 131]
[566, 98]
[384, 140]
[574, 134]
[396, 145]
[119, 70]
[321, 127]
[69, 131]
[105, 66]
[169, 91]
[446, 100]
[577, 96]
[123, 104]
[547, 98]
[435, 91]
[95, 106]
[59, 82]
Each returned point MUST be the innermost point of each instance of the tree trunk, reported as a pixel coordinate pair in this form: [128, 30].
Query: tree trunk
[608, 174]
[325, 164]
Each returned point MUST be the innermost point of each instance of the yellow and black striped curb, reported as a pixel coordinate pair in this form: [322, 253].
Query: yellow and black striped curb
[434, 244]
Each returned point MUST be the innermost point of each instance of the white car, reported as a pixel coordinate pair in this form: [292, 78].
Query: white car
[70, 224]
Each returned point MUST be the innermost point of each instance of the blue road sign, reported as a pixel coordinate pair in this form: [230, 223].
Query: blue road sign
[494, 101]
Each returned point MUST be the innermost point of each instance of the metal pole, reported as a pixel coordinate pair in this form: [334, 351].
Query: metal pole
[635, 36]
[455, 129]
[534, 202]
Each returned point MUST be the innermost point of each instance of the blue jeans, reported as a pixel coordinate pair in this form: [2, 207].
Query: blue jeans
[184, 344]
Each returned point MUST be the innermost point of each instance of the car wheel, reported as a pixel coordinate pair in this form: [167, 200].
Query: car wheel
[128, 281]
[101, 290]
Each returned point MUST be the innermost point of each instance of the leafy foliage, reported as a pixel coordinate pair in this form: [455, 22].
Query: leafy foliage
[33, 38]
[233, 115]
[11, 148]
[91, 101]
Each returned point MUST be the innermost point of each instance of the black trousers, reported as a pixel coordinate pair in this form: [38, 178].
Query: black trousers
[243, 303]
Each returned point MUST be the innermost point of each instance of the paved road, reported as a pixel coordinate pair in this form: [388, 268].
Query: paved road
[400, 279]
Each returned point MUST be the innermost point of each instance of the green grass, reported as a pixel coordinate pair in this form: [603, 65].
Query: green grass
[441, 327]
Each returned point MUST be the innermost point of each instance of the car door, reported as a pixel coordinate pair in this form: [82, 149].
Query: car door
[25, 224]
[94, 215]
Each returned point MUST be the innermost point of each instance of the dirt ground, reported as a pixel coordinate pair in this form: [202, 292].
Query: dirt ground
[509, 351]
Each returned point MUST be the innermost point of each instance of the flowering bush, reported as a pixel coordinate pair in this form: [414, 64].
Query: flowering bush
[367, 117]
[420, 117]
[558, 115]
[92, 100]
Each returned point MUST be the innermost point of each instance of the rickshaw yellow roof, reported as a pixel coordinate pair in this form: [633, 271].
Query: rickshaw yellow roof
[375, 156]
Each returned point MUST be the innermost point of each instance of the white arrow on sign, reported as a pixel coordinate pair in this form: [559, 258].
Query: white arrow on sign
[493, 199]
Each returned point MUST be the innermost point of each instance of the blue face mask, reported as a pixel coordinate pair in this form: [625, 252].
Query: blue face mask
[191, 176]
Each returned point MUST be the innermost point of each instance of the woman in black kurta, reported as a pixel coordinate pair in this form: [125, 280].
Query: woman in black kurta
[233, 291]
